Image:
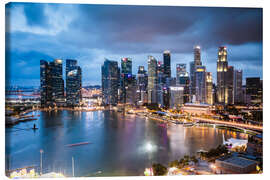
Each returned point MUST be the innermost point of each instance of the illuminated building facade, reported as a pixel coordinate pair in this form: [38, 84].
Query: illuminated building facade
[142, 81]
[238, 92]
[167, 78]
[230, 84]
[73, 83]
[167, 63]
[193, 66]
[110, 82]
[222, 68]
[209, 88]
[200, 76]
[126, 66]
[52, 83]
[45, 89]
[127, 82]
[254, 90]
[152, 80]
[182, 79]
[176, 95]
[160, 83]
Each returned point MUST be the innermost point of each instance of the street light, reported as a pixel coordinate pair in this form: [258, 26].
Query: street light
[41, 151]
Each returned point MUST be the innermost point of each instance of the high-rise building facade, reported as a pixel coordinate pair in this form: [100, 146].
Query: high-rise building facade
[238, 92]
[167, 78]
[181, 71]
[73, 83]
[127, 82]
[142, 81]
[254, 90]
[230, 84]
[45, 88]
[197, 56]
[192, 82]
[176, 97]
[56, 72]
[126, 66]
[200, 76]
[222, 68]
[209, 88]
[152, 80]
[167, 63]
[160, 83]
[52, 83]
[110, 82]
[193, 66]
[182, 80]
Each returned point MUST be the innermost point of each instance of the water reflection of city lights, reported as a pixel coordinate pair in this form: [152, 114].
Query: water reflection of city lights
[149, 147]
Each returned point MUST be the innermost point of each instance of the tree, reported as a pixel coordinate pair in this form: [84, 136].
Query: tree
[174, 163]
[159, 169]
[194, 159]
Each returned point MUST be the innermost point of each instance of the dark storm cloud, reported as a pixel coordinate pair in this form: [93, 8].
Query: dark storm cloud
[35, 14]
[144, 24]
[90, 33]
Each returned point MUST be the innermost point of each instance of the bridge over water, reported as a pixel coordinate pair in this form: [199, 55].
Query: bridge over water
[252, 128]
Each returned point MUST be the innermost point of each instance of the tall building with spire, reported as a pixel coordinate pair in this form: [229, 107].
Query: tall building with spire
[222, 68]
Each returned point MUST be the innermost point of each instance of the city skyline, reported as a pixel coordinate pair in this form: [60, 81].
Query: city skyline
[39, 35]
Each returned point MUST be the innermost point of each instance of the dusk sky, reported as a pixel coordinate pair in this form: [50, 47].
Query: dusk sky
[90, 33]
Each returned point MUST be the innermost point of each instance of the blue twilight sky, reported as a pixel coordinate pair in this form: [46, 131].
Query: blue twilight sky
[90, 33]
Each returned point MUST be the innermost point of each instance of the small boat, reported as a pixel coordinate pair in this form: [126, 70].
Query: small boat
[34, 127]
[78, 144]
[188, 124]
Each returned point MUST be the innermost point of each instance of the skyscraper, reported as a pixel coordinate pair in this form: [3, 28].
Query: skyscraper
[127, 82]
[52, 83]
[254, 90]
[197, 56]
[57, 82]
[182, 80]
[193, 66]
[167, 63]
[192, 82]
[181, 71]
[176, 97]
[230, 86]
[160, 82]
[209, 88]
[200, 76]
[238, 92]
[110, 82]
[222, 68]
[126, 66]
[152, 80]
[45, 94]
[142, 80]
[73, 83]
